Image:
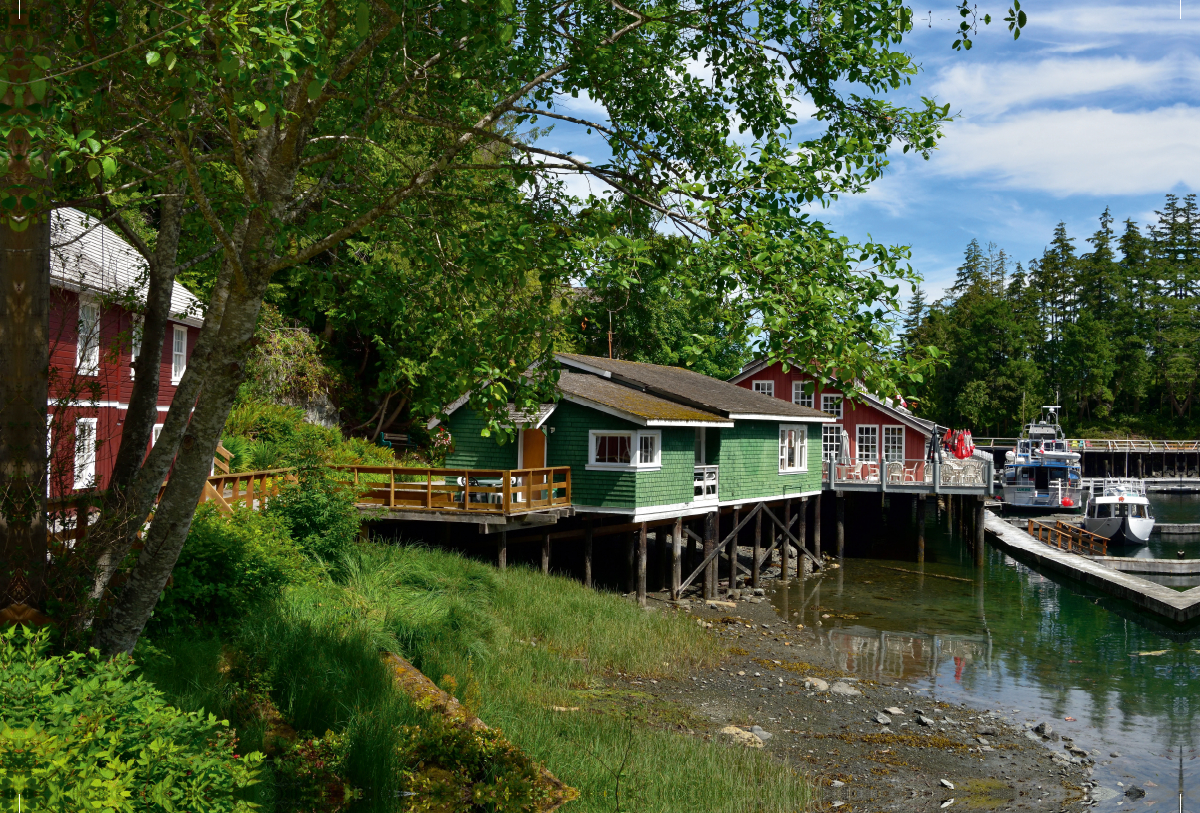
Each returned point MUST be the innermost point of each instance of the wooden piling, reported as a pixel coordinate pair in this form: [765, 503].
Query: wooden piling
[754, 575]
[920, 528]
[841, 525]
[631, 562]
[733, 555]
[784, 544]
[817, 525]
[587, 553]
[710, 543]
[641, 566]
[501, 550]
[545, 552]
[691, 561]
[676, 551]
[802, 535]
[980, 550]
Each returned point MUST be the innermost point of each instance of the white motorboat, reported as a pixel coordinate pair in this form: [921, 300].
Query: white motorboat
[1042, 472]
[1118, 510]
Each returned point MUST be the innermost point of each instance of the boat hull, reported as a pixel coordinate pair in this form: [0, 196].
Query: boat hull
[1121, 530]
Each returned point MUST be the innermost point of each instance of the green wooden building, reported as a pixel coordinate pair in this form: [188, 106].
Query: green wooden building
[646, 442]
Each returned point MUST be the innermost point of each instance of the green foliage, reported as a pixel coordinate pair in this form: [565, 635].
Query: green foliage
[1111, 334]
[229, 565]
[286, 365]
[83, 733]
[264, 435]
[319, 513]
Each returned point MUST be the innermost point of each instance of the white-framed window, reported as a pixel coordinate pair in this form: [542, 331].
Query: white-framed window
[893, 444]
[867, 448]
[87, 347]
[831, 441]
[85, 453]
[832, 404]
[178, 353]
[699, 447]
[154, 433]
[767, 388]
[793, 448]
[625, 450]
[135, 342]
[802, 393]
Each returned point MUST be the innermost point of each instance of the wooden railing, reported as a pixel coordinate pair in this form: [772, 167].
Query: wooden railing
[496, 491]
[251, 488]
[1069, 538]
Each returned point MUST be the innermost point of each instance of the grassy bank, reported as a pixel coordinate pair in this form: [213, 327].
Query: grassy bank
[513, 646]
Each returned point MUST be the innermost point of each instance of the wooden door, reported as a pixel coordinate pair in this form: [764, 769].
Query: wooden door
[533, 449]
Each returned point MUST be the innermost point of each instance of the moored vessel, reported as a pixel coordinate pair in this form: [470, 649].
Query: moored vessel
[1042, 473]
[1118, 510]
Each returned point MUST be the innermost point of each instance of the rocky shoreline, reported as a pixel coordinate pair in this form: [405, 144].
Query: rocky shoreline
[867, 745]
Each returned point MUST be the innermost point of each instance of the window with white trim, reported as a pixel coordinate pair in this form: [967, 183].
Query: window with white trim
[135, 342]
[793, 448]
[831, 441]
[867, 448]
[893, 444]
[87, 347]
[621, 450]
[85, 453]
[765, 387]
[802, 393]
[154, 433]
[832, 404]
[178, 353]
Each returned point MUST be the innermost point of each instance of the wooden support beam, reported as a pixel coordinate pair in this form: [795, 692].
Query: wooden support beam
[841, 525]
[754, 572]
[641, 566]
[710, 553]
[631, 562]
[783, 548]
[920, 528]
[502, 550]
[676, 551]
[546, 553]
[737, 525]
[802, 532]
[788, 534]
[587, 552]
[980, 550]
[817, 526]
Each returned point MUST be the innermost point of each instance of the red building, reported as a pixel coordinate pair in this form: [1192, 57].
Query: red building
[98, 287]
[876, 428]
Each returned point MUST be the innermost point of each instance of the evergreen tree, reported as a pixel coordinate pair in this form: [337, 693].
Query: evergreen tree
[915, 313]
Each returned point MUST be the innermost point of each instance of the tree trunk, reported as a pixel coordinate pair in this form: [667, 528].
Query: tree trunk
[24, 347]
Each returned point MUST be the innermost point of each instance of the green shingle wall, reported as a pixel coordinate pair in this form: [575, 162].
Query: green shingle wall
[749, 461]
[471, 451]
[747, 455]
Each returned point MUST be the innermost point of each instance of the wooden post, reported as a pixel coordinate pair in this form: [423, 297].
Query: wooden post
[754, 575]
[979, 540]
[709, 544]
[841, 525]
[630, 562]
[676, 550]
[802, 535]
[920, 528]
[501, 550]
[690, 561]
[545, 552]
[784, 543]
[817, 525]
[587, 553]
[733, 546]
[641, 566]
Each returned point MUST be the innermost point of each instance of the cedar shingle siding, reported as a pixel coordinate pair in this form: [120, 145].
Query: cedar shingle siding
[749, 461]
[472, 451]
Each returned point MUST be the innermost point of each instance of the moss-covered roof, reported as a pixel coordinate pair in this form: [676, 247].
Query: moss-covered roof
[687, 387]
[628, 400]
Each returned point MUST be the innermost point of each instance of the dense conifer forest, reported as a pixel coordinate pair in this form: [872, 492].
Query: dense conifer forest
[1109, 328]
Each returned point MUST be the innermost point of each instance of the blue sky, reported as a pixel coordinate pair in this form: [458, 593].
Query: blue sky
[1094, 106]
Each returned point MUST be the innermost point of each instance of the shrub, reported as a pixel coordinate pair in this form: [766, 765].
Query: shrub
[228, 565]
[319, 513]
[83, 733]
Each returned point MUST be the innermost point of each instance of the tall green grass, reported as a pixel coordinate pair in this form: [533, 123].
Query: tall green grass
[512, 646]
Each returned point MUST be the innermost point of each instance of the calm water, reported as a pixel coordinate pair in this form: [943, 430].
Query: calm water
[1034, 646]
[1178, 508]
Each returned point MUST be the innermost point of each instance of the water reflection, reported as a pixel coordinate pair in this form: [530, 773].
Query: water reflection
[1008, 637]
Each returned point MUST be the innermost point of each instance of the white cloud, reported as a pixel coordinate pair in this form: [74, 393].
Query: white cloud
[991, 89]
[1079, 151]
[1161, 19]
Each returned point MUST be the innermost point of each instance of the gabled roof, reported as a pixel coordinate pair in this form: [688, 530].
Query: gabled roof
[691, 389]
[882, 404]
[98, 261]
[632, 404]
